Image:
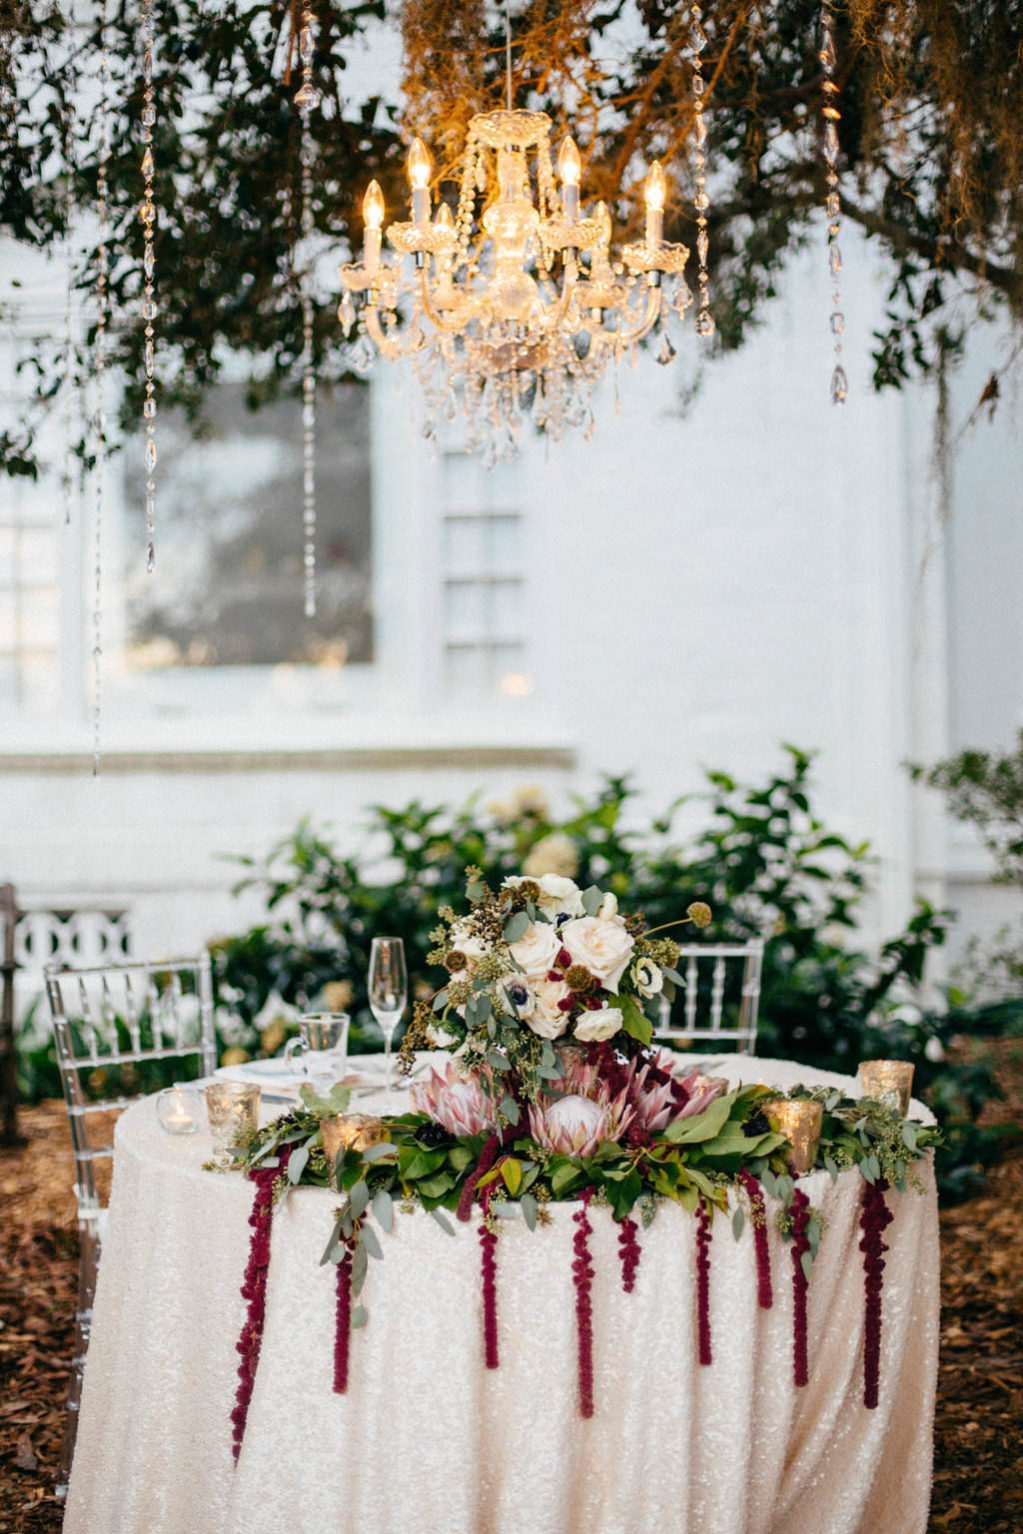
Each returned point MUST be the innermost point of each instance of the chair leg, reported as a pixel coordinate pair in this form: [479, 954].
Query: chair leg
[88, 1267]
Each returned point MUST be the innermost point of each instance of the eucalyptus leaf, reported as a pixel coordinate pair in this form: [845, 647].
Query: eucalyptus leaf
[738, 1221]
[909, 1135]
[497, 1061]
[440, 1001]
[528, 1205]
[332, 1242]
[383, 1210]
[509, 1109]
[360, 1266]
[807, 1261]
[371, 1241]
[297, 1163]
[360, 1198]
[592, 900]
[516, 927]
[443, 1221]
[378, 1152]
[359, 1317]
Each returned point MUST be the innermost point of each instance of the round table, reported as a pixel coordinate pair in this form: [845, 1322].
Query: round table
[427, 1439]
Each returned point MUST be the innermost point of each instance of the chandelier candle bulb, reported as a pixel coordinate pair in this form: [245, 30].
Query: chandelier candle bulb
[419, 180]
[653, 192]
[569, 171]
[373, 218]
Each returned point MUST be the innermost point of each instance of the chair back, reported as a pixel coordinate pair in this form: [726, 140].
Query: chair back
[721, 995]
[113, 1025]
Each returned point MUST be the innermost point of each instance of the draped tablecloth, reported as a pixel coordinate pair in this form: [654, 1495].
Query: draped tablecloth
[428, 1440]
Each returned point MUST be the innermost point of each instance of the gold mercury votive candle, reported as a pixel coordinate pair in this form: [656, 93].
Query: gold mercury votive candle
[345, 1130]
[799, 1120]
[889, 1082]
[232, 1108]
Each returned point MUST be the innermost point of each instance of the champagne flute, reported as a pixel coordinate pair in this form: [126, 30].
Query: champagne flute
[388, 992]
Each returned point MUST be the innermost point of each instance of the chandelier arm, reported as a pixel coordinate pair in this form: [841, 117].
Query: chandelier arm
[437, 320]
[389, 348]
[557, 317]
[645, 323]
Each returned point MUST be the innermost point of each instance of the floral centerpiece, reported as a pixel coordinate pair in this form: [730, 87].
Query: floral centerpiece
[554, 1091]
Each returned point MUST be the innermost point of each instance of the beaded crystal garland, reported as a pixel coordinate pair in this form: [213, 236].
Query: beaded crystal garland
[148, 272]
[831, 117]
[99, 374]
[305, 99]
[697, 43]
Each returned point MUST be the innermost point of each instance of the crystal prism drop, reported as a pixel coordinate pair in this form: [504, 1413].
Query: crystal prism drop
[702, 201]
[682, 297]
[702, 246]
[309, 416]
[306, 45]
[148, 116]
[346, 313]
[149, 310]
[147, 66]
[150, 455]
[582, 341]
[666, 352]
[147, 164]
[837, 323]
[150, 558]
[149, 409]
[705, 323]
[307, 96]
[839, 386]
[834, 206]
[827, 54]
[834, 259]
[149, 261]
[150, 354]
[699, 85]
[700, 129]
[697, 37]
[830, 140]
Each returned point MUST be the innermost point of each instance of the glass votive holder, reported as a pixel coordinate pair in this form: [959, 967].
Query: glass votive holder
[232, 1108]
[799, 1120]
[360, 1130]
[179, 1109]
[889, 1082]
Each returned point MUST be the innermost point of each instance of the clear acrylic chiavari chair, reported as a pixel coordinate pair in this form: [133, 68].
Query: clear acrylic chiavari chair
[721, 996]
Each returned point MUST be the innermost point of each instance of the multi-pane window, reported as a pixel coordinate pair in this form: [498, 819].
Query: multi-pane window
[30, 551]
[485, 623]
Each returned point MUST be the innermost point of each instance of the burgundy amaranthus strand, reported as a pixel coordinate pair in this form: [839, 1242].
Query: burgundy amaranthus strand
[800, 1244]
[343, 1322]
[488, 1270]
[758, 1219]
[254, 1293]
[629, 1253]
[486, 1161]
[875, 1217]
[582, 1272]
[703, 1234]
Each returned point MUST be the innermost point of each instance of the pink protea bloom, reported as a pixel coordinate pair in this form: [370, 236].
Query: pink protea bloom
[456, 1102]
[579, 1122]
[654, 1105]
[702, 1092]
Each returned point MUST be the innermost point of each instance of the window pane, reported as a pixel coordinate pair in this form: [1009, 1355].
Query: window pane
[228, 585]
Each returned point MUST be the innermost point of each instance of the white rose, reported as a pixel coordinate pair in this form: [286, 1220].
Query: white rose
[608, 907]
[604, 947]
[546, 1018]
[561, 896]
[600, 1024]
[536, 950]
[647, 978]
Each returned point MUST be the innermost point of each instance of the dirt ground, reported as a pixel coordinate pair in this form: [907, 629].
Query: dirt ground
[978, 1471]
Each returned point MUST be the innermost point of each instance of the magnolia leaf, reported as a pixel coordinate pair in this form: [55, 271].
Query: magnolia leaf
[359, 1317]
[511, 1171]
[360, 1198]
[528, 1205]
[297, 1163]
[516, 927]
[383, 1210]
[443, 1221]
[593, 899]
[371, 1241]
[701, 1126]
[807, 1261]
[738, 1221]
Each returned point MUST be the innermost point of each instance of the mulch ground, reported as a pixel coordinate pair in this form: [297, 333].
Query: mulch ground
[978, 1470]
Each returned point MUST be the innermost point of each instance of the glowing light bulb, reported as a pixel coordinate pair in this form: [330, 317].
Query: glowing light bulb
[569, 164]
[654, 187]
[418, 165]
[373, 206]
[445, 218]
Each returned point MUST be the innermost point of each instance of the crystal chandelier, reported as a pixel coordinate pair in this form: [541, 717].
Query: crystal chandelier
[511, 308]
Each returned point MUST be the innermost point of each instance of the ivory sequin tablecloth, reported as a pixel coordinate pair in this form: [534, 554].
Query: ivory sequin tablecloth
[427, 1440]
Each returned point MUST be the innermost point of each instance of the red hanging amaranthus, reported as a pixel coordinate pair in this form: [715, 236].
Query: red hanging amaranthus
[703, 1234]
[758, 1219]
[800, 1244]
[488, 1271]
[629, 1253]
[486, 1161]
[875, 1217]
[343, 1321]
[582, 1272]
[254, 1292]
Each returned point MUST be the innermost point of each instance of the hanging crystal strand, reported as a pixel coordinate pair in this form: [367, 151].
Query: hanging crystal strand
[306, 98]
[697, 42]
[831, 116]
[148, 270]
[99, 365]
[70, 392]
